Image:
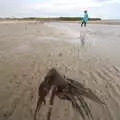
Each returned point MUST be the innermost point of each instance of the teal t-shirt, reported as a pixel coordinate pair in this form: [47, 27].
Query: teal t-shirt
[85, 18]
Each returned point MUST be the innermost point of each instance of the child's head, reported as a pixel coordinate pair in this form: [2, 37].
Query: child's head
[85, 11]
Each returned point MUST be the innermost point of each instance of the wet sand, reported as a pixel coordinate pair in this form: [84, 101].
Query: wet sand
[90, 55]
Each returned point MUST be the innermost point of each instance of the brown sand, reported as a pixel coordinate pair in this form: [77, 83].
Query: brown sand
[29, 50]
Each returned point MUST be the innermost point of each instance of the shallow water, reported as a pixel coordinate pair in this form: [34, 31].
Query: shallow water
[98, 50]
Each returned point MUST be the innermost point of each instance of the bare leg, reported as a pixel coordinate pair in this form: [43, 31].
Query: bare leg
[82, 24]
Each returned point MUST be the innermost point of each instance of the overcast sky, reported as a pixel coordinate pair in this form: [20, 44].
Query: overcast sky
[108, 9]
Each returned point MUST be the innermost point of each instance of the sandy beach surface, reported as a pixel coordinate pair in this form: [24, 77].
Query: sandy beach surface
[90, 55]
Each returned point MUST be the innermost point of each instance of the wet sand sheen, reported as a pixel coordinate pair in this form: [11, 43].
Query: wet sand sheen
[29, 50]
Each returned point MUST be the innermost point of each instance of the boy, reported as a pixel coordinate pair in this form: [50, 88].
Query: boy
[85, 19]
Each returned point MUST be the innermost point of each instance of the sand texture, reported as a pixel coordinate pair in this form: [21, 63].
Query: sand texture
[89, 55]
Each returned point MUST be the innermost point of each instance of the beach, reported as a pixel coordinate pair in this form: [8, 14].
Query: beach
[28, 50]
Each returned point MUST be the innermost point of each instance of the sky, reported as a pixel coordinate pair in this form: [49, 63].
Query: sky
[105, 9]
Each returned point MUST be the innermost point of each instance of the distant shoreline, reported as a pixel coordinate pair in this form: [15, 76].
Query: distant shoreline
[69, 20]
[51, 19]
